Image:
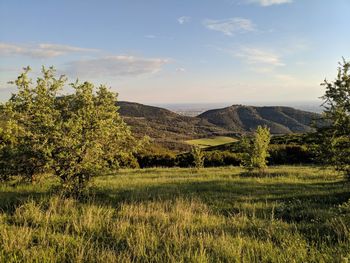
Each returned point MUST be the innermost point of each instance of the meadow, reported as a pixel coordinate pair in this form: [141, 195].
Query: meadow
[213, 141]
[290, 214]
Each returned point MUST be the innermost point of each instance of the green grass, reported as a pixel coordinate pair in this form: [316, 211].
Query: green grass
[295, 214]
[214, 141]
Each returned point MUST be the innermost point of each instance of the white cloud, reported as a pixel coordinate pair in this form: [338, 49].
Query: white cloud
[258, 56]
[180, 70]
[43, 50]
[230, 26]
[258, 59]
[270, 2]
[115, 66]
[183, 20]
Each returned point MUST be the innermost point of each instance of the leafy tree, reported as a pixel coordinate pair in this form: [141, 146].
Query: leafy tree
[256, 149]
[75, 136]
[29, 116]
[198, 157]
[334, 148]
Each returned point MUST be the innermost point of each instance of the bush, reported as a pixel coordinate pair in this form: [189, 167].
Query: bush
[256, 149]
[290, 154]
[279, 154]
[185, 160]
[218, 158]
[198, 157]
[156, 160]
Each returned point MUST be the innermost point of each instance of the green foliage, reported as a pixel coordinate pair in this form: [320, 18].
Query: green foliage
[335, 140]
[211, 159]
[293, 139]
[155, 156]
[256, 150]
[156, 160]
[74, 137]
[29, 119]
[198, 157]
[290, 154]
[221, 158]
[283, 149]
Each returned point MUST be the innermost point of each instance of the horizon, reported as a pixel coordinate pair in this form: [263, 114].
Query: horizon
[192, 109]
[180, 52]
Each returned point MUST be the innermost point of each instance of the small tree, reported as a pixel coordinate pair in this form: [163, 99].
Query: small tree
[198, 157]
[74, 137]
[29, 118]
[256, 150]
[334, 148]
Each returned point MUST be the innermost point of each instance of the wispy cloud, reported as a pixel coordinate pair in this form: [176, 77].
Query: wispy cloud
[266, 62]
[230, 26]
[257, 59]
[115, 66]
[184, 19]
[258, 56]
[43, 50]
[180, 70]
[270, 2]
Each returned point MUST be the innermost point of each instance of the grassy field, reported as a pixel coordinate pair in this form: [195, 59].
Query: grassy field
[214, 141]
[295, 214]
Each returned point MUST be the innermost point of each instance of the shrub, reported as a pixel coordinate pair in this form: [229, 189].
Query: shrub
[156, 160]
[290, 154]
[198, 157]
[256, 151]
[221, 158]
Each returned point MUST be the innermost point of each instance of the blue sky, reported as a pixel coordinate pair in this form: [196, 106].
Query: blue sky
[183, 51]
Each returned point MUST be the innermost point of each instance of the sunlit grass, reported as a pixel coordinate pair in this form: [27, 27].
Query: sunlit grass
[214, 141]
[291, 214]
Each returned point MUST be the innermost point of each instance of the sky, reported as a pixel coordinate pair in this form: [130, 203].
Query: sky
[180, 51]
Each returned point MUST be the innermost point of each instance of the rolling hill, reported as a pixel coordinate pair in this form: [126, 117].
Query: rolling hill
[167, 128]
[171, 130]
[280, 120]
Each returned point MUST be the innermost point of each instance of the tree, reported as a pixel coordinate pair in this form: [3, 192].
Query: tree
[29, 116]
[334, 148]
[198, 157]
[256, 150]
[74, 137]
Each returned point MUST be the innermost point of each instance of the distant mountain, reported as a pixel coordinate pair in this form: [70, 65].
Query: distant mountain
[280, 120]
[170, 129]
[166, 127]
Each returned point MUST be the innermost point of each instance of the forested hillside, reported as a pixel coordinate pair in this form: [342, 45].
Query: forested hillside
[171, 130]
[280, 120]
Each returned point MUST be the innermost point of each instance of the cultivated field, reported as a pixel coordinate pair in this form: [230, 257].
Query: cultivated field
[214, 141]
[294, 214]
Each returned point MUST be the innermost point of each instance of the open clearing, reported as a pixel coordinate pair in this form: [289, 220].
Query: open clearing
[295, 214]
[214, 141]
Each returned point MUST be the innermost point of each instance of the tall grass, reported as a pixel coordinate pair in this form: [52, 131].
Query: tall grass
[296, 214]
